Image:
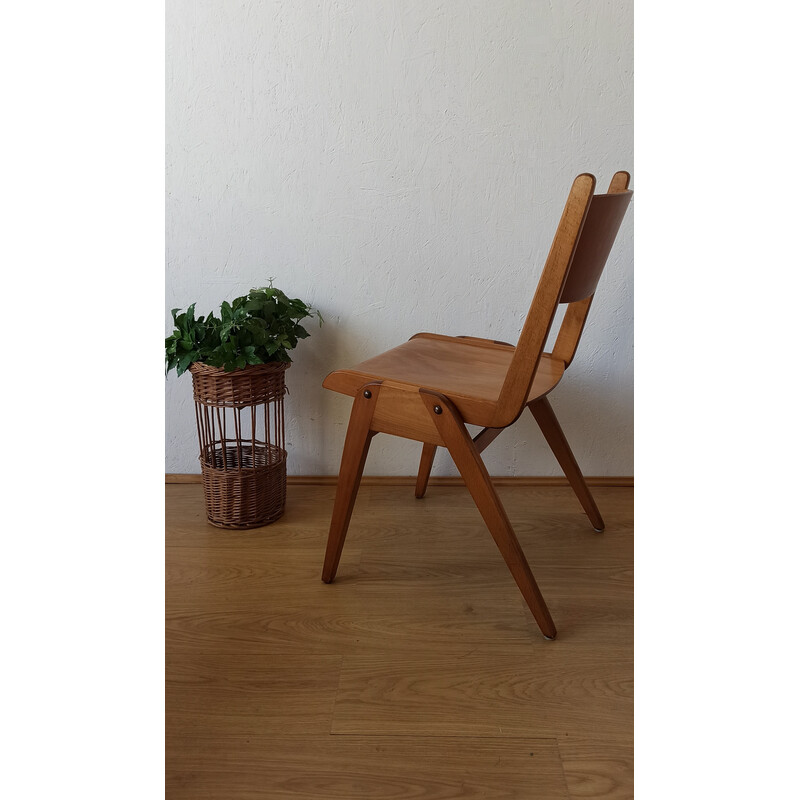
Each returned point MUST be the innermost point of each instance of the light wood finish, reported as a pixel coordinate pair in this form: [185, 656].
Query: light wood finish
[619, 183]
[569, 334]
[546, 419]
[369, 768]
[470, 375]
[612, 209]
[465, 380]
[354, 456]
[486, 437]
[597, 769]
[481, 442]
[425, 466]
[401, 412]
[437, 480]
[419, 673]
[469, 463]
[511, 694]
[250, 695]
[530, 348]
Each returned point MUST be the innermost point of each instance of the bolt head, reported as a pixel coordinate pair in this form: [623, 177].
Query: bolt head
[437, 409]
[367, 393]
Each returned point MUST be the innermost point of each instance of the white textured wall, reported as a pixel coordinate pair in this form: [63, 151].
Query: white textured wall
[402, 166]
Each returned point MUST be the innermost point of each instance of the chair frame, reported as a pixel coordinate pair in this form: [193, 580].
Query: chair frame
[577, 256]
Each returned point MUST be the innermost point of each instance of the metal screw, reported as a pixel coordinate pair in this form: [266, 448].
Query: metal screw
[437, 409]
[367, 393]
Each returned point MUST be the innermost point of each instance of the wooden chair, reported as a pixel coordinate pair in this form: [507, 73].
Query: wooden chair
[429, 388]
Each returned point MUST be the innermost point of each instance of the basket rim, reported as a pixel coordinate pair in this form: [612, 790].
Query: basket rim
[200, 367]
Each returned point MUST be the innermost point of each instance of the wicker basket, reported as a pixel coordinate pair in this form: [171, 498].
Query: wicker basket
[240, 427]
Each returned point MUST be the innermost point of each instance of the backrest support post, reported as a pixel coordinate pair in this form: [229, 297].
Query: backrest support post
[542, 311]
[580, 248]
[569, 334]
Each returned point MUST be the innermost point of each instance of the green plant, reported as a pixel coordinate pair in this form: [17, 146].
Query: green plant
[257, 328]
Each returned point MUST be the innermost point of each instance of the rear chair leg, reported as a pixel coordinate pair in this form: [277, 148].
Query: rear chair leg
[482, 441]
[545, 417]
[425, 465]
[354, 456]
[461, 447]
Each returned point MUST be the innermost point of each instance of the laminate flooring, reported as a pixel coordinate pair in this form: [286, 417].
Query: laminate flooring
[418, 673]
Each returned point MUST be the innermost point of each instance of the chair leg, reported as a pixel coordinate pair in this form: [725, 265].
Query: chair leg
[545, 417]
[482, 441]
[354, 456]
[469, 463]
[486, 437]
[425, 465]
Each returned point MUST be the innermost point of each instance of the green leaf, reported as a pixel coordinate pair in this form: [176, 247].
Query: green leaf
[184, 362]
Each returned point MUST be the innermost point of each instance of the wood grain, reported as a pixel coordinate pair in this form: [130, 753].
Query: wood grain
[364, 768]
[250, 694]
[354, 456]
[424, 471]
[278, 685]
[467, 459]
[597, 769]
[551, 429]
[529, 353]
[488, 692]
[471, 376]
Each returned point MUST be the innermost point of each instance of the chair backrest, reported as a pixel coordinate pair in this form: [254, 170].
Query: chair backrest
[580, 249]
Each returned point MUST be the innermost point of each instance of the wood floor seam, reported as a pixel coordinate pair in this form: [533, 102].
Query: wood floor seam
[419, 671]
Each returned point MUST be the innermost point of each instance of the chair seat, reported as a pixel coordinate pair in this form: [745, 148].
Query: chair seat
[470, 372]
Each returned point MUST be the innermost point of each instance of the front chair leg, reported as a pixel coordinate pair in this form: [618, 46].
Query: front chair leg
[354, 456]
[425, 465]
[466, 457]
[546, 419]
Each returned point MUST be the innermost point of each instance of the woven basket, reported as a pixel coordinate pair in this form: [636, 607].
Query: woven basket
[240, 427]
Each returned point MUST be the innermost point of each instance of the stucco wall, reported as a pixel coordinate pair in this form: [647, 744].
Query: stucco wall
[401, 166]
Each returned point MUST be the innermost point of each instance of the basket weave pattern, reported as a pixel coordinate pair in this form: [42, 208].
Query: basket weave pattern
[240, 427]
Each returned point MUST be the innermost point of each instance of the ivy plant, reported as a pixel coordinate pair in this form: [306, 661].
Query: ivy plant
[258, 328]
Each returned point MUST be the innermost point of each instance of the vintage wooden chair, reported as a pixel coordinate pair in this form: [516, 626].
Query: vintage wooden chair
[429, 388]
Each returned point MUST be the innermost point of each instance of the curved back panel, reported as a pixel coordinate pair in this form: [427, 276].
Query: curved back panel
[582, 243]
[600, 228]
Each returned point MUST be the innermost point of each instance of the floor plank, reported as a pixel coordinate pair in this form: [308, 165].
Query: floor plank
[365, 768]
[540, 691]
[597, 768]
[422, 650]
[250, 695]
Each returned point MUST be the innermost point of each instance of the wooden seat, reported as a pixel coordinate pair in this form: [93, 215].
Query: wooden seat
[469, 371]
[432, 386]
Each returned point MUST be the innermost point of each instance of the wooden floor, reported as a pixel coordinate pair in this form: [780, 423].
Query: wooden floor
[420, 672]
